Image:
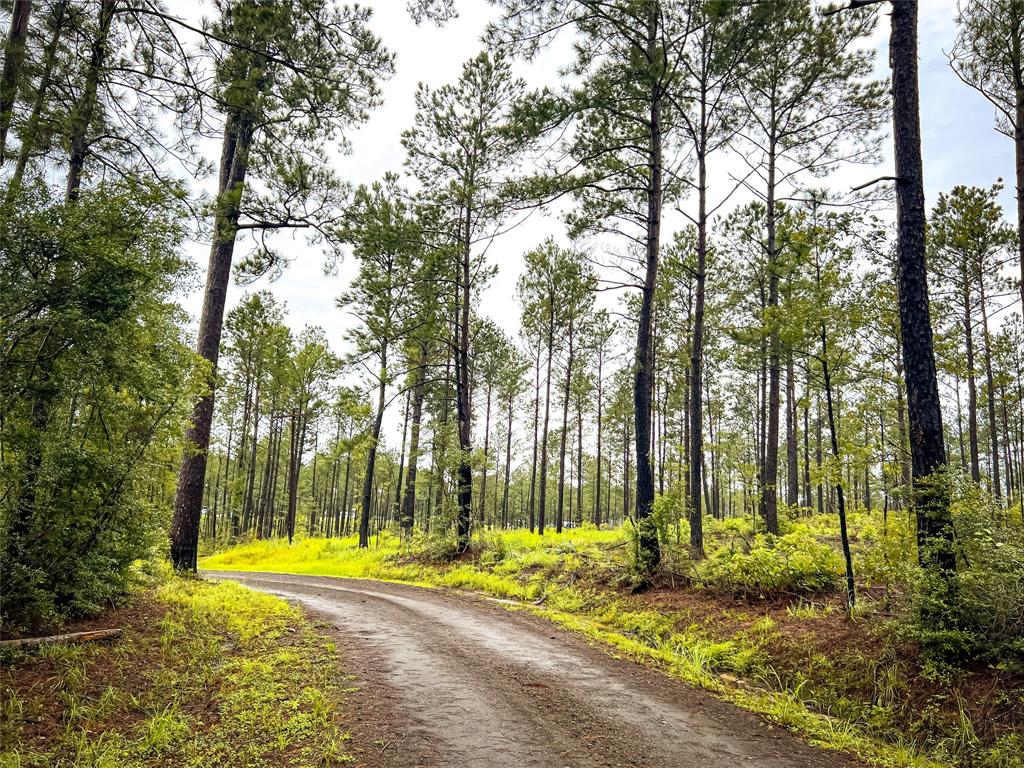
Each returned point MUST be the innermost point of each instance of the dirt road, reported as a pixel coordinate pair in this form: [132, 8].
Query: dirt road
[450, 680]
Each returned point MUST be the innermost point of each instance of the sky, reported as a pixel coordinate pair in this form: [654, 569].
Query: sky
[960, 146]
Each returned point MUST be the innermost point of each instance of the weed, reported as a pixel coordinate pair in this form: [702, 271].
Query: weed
[218, 646]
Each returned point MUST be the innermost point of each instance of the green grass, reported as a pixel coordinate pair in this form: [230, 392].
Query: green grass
[225, 677]
[581, 578]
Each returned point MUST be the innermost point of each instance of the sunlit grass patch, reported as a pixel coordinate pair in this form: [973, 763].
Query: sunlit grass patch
[214, 675]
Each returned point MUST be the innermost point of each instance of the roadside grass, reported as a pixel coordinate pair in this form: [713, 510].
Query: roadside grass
[848, 683]
[206, 674]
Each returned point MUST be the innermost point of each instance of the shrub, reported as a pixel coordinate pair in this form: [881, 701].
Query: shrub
[795, 563]
[93, 412]
[984, 602]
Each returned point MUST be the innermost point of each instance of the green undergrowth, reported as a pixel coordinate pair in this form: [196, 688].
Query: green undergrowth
[759, 622]
[206, 674]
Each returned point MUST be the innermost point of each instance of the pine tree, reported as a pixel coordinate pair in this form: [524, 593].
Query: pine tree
[288, 77]
[461, 147]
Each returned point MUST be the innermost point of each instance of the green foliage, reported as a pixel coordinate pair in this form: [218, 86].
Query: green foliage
[794, 563]
[96, 379]
[985, 598]
[988, 55]
[264, 678]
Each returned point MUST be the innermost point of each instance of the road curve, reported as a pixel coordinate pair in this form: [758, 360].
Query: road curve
[447, 679]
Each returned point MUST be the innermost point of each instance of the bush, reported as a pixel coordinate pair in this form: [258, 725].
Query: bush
[983, 604]
[794, 564]
[96, 390]
[886, 555]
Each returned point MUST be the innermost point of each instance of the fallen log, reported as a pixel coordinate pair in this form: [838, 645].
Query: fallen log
[71, 637]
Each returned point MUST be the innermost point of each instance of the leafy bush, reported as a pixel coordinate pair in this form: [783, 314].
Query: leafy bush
[885, 554]
[988, 594]
[95, 391]
[982, 605]
[795, 563]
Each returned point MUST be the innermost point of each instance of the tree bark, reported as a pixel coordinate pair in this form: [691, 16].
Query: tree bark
[188, 499]
[770, 467]
[807, 441]
[401, 460]
[993, 426]
[579, 462]
[1018, 145]
[792, 461]
[648, 546]
[462, 403]
[14, 58]
[297, 438]
[28, 136]
[541, 506]
[418, 394]
[371, 458]
[559, 520]
[696, 383]
[487, 454]
[536, 418]
[600, 397]
[972, 389]
[927, 447]
[851, 594]
[85, 110]
[508, 459]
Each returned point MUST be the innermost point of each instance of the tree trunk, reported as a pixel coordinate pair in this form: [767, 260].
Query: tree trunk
[1018, 144]
[371, 458]
[508, 460]
[818, 457]
[297, 437]
[972, 390]
[544, 434]
[648, 547]
[401, 461]
[579, 462]
[625, 471]
[851, 595]
[314, 518]
[536, 419]
[419, 391]
[14, 57]
[487, 455]
[28, 136]
[696, 383]
[250, 482]
[927, 448]
[344, 496]
[807, 441]
[85, 110]
[463, 406]
[867, 466]
[600, 397]
[188, 500]
[901, 423]
[770, 468]
[559, 520]
[993, 427]
[792, 468]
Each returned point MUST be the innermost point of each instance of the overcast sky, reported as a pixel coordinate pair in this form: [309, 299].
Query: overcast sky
[960, 147]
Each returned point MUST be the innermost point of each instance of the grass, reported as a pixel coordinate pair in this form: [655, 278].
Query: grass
[846, 684]
[206, 674]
